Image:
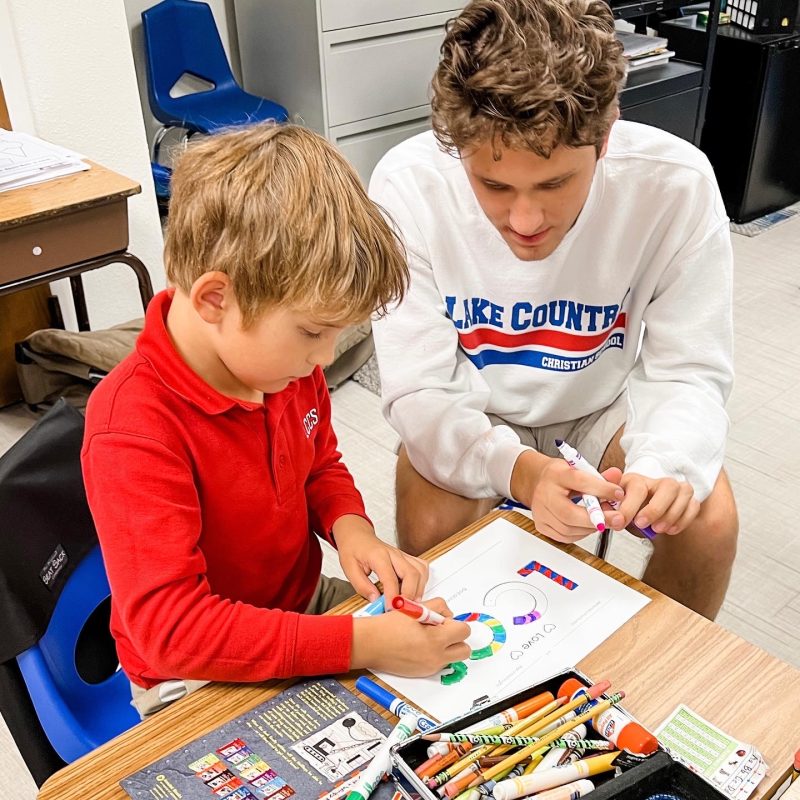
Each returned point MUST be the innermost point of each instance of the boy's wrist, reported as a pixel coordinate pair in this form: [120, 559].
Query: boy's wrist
[349, 525]
[365, 643]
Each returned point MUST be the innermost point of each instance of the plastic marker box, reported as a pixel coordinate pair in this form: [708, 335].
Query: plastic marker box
[656, 774]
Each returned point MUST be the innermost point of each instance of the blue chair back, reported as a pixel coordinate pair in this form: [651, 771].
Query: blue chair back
[180, 36]
[81, 698]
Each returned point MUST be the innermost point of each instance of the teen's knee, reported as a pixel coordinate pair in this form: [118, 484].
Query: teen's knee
[719, 521]
[427, 514]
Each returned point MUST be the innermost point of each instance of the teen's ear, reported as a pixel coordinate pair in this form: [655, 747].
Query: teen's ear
[604, 149]
[211, 296]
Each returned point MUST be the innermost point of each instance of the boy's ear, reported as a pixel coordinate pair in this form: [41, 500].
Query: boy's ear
[211, 296]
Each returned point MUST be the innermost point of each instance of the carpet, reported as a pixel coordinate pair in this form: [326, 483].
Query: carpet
[369, 376]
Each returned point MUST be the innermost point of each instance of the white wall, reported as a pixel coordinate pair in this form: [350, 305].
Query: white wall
[68, 75]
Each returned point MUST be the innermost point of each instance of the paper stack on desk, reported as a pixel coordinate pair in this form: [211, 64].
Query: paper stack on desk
[25, 160]
[643, 51]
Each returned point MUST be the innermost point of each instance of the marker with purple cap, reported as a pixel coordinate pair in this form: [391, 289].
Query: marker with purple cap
[577, 461]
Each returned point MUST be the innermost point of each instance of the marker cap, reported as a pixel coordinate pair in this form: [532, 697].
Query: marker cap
[569, 687]
[636, 739]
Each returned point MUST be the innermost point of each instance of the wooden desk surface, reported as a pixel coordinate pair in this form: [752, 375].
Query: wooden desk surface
[665, 655]
[95, 186]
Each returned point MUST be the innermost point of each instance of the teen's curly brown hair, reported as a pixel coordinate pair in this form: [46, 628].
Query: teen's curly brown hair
[531, 74]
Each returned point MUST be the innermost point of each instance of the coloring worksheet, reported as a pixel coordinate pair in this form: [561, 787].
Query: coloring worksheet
[533, 611]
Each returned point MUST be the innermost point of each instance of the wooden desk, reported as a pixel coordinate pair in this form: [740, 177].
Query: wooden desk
[65, 227]
[665, 655]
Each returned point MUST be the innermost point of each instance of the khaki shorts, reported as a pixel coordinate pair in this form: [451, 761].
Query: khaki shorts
[589, 435]
[328, 594]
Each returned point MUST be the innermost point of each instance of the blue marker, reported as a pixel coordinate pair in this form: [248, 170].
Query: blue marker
[393, 703]
[372, 609]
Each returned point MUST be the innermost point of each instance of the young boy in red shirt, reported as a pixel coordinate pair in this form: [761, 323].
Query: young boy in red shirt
[209, 459]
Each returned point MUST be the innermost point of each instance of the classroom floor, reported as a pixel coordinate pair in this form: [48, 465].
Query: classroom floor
[763, 603]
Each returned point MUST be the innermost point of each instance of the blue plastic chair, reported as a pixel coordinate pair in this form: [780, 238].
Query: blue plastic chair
[76, 715]
[180, 37]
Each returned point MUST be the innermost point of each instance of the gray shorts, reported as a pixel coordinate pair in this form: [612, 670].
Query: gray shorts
[328, 594]
[589, 435]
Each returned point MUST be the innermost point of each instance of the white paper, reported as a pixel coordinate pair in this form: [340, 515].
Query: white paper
[25, 160]
[481, 576]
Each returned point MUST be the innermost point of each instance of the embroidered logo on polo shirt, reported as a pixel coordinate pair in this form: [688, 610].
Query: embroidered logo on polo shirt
[310, 421]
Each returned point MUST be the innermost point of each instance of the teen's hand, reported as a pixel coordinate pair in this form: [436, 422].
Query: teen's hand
[395, 643]
[665, 504]
[547, 486]
[361, 552]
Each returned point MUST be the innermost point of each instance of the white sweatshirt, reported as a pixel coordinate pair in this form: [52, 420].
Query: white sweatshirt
[553, 340]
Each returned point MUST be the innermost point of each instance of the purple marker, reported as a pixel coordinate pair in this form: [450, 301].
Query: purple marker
[577, 461]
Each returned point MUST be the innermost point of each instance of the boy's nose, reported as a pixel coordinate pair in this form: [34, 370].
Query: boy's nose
[324, 354]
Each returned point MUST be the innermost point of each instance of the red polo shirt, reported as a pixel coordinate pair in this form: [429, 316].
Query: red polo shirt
[206, 508]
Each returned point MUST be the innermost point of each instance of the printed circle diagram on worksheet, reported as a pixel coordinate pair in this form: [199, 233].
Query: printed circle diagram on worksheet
[520, 602]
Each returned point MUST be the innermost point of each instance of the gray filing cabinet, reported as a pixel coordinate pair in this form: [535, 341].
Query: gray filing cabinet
[356, 71]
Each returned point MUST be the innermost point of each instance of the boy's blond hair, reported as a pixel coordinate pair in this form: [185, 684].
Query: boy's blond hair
[280, 211]
[528, 74]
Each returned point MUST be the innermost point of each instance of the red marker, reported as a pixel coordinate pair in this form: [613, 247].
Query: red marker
[416, 610]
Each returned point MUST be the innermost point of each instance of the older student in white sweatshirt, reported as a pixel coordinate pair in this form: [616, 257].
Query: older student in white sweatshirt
[546, 238]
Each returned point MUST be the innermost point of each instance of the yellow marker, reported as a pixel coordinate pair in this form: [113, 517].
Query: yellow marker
[556, 777]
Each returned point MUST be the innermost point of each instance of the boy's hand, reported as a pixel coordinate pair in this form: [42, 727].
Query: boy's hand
[361, 552]
[665, 504]
[547, 486]
[395, 643]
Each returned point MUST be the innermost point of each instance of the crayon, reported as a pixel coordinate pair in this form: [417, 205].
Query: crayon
[551, 737]
[519, 727]
[524, 785]
[517, 712]
[415, 610]
[569, 791]
[477, 738]
[795, 768]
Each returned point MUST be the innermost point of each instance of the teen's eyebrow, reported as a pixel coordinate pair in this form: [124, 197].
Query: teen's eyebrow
[549, 182]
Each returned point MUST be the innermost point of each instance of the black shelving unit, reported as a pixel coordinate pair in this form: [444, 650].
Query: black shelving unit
[674, 95]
